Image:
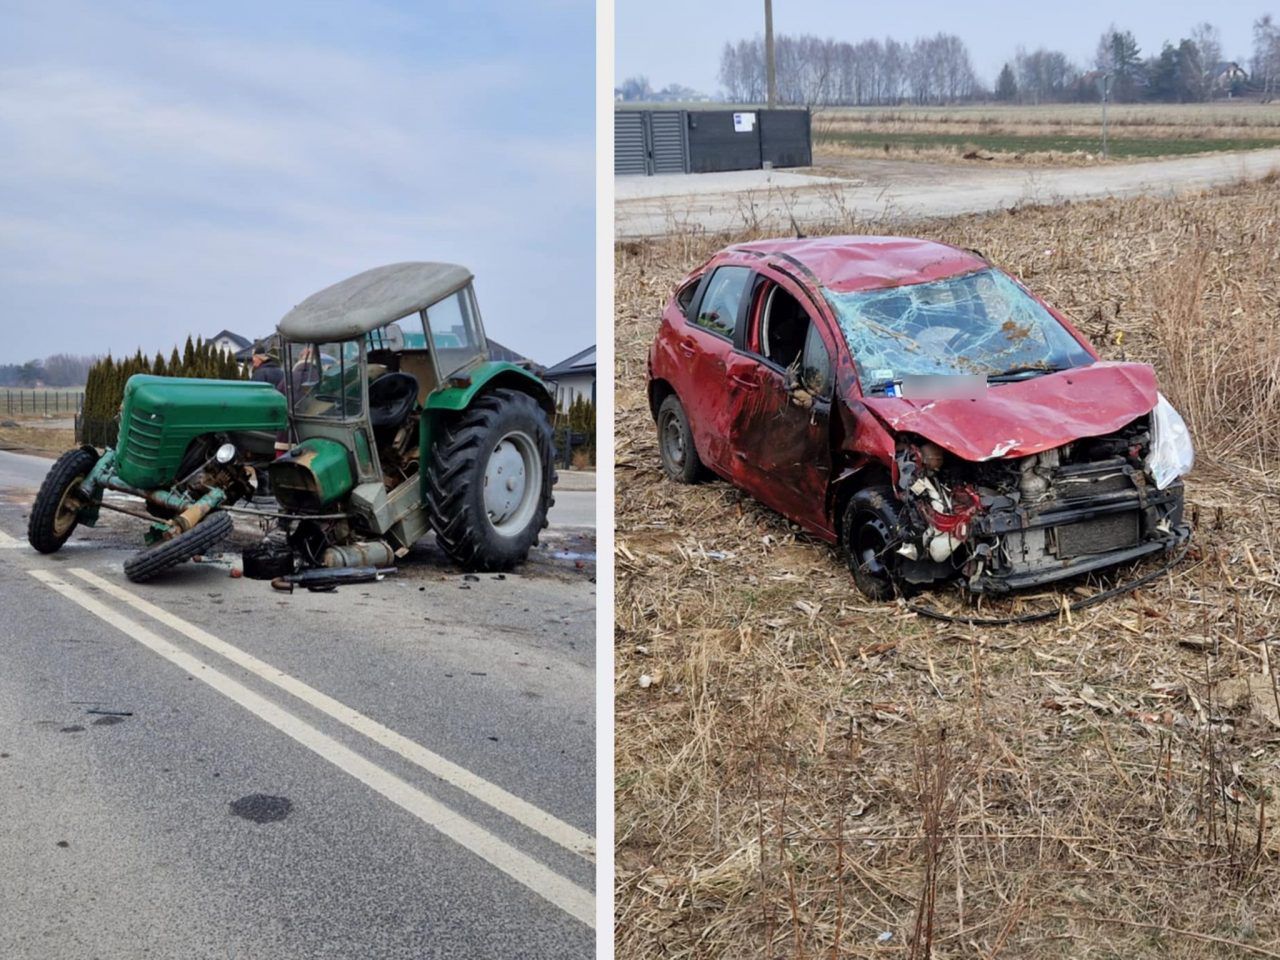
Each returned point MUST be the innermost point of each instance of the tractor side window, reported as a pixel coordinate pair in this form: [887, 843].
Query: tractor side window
[324, 380]
[784, 325]
[722, 302]
[455, 331]
[815, 365]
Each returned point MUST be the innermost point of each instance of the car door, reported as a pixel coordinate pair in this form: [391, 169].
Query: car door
[704, 344]
[780, 385]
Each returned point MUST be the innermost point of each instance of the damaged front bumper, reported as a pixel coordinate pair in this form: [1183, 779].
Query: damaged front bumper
[1017, 547]
[1000, 526]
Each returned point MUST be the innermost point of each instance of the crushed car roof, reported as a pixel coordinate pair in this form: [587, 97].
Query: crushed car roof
[372, 299]
[845, 264]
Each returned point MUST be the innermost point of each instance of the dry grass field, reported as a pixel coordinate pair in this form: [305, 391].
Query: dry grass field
[804, 774]
[36, 435]
[1046, 134]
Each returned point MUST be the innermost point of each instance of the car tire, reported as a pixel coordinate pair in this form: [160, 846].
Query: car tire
[868, 529]
[201, 538]
[680, 458]
[482, 522]
[53, 517]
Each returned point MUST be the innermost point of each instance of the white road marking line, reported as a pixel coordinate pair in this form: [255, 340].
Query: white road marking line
[7, 542]
[535, 818]
[546, 883]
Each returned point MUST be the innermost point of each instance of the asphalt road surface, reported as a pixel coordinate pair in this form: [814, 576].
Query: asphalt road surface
[203, 767]
[784, 200]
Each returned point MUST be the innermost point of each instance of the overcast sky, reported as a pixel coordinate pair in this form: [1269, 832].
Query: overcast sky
[175, 168]
[674, 41]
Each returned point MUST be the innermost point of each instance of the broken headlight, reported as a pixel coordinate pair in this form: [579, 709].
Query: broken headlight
[1171, 453]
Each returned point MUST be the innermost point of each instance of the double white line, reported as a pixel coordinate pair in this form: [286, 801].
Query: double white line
[546, 883]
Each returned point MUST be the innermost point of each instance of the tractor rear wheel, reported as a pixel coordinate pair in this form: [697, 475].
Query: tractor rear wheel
[54, 514]
[490, 480]
[201, 538]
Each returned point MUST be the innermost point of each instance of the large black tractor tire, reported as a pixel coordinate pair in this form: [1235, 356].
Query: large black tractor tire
[502, 439]
[53, 515]
[869, 538]
[680, 459]
[201, 538]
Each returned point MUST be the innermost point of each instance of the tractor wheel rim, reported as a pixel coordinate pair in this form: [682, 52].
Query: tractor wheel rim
[512, 483]
[673, 441]
[64, 517]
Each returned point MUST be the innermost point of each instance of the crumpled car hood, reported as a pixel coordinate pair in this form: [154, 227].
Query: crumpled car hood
[1027, 416]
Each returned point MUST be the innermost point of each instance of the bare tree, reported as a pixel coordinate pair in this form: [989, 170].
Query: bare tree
[1266, 54]
[1209, 45]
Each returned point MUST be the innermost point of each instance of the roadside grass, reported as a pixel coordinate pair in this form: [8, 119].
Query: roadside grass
[34, 436]
[805, 774]
[1050, 134]
[1118, 147]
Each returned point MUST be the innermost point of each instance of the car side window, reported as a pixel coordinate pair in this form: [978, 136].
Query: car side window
[815, 365]
[722, 301]
[684, 296]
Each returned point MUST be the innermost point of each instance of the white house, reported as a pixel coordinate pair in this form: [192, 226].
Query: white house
[228, 342]
[574, 377]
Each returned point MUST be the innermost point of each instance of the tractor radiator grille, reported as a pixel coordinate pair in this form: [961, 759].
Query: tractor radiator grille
[145, 436]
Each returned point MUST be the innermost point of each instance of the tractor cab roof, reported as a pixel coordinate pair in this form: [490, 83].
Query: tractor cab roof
[353, 307]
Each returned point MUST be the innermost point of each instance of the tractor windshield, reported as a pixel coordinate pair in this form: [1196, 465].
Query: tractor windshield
[325, 381]
[456, 336]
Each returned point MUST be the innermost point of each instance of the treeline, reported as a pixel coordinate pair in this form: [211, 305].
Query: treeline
[812, 71]
[58, 370]
[104, 386]
[817, 72]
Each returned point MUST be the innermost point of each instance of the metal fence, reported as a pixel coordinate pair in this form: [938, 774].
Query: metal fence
[41, 401]
[648, 142]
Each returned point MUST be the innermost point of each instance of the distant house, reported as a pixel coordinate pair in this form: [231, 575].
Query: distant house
[229, 342]
[1228, 76]
[574, 377]
[504, 354]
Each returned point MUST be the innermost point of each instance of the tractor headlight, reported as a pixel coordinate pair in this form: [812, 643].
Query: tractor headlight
[1171, 454]
[226, 453]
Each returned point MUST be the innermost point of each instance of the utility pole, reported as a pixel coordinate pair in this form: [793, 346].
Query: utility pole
[770, 73]
[1104, 87]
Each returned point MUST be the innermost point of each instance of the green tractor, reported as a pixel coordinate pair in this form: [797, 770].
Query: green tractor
[393, 421]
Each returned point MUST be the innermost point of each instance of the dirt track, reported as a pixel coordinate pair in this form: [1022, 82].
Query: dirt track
[900, 190]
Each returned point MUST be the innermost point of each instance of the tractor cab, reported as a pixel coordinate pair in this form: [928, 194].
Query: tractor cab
[369, 363]
[359, 373]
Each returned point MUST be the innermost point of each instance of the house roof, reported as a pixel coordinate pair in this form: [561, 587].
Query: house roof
[582, 362]
[372, 299]
[843, 264]
[505, 354]
[235, 338]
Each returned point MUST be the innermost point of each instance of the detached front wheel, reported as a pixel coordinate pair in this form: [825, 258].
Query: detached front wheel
[490, 481]
[56, 510]
[201, 538]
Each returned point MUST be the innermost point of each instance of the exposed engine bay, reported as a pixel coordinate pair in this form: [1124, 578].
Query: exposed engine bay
[1007, 523]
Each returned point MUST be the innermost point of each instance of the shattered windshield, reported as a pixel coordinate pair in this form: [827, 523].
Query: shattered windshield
[978, 323]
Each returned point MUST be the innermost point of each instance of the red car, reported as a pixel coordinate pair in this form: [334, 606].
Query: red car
[920, 408]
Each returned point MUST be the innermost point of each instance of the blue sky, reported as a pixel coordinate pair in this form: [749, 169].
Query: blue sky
[175, 168]
[674, 41]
